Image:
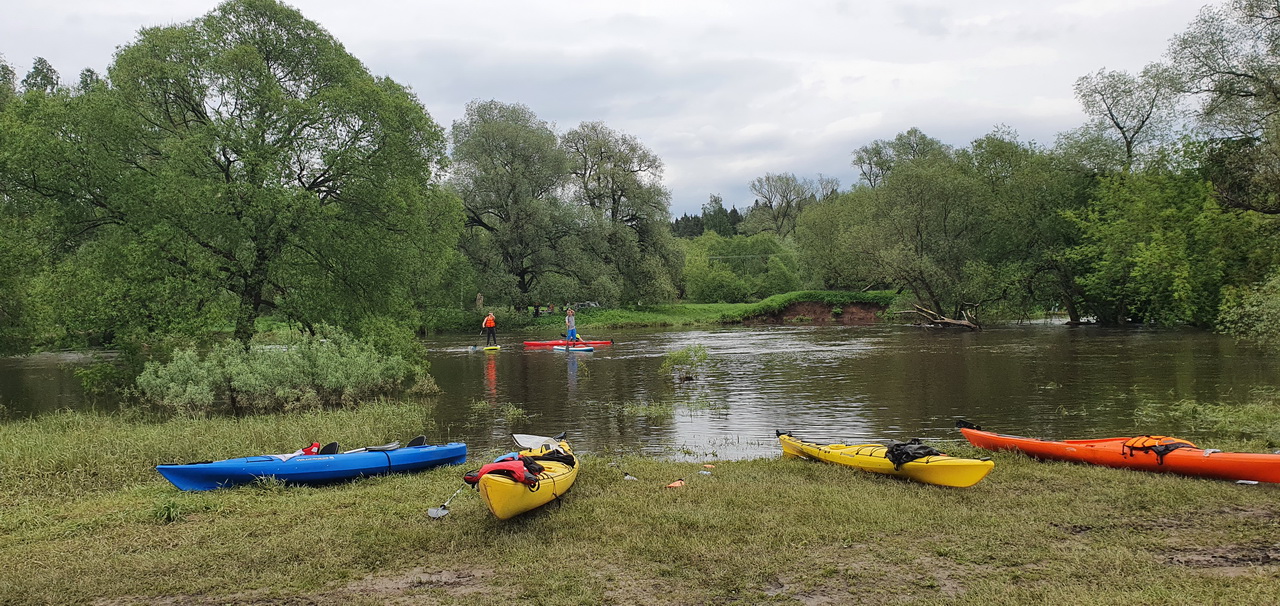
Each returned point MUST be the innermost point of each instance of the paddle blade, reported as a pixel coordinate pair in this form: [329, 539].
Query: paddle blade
[530, 441]
[438, 512]
[443, 510]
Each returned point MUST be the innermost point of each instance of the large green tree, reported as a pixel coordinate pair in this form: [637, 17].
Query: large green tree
[716, 218]
[620, 181]
[42, 77]
[1028, 191]
[780, 199]
[978, 228]
[1226, 60]
[1157, 248]
[1135, 110]
[238, 165]
[509, 170]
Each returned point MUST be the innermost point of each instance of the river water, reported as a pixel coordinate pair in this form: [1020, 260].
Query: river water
[847, 384]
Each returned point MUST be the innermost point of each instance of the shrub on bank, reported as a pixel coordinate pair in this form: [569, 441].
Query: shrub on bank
[834, 298]
[279, 371]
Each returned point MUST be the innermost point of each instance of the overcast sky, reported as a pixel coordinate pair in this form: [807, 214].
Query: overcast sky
[724, 91]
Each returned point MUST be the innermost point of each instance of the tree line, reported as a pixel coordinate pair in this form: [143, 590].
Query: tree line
[244, 167]
[1159, 209]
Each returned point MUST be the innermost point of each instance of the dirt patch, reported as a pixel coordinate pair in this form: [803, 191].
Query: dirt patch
[404, 584]
[406, 587]
[1231, 559]
[812, 313]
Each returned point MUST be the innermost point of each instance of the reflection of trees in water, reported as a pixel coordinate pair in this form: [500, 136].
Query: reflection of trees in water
[840, 384]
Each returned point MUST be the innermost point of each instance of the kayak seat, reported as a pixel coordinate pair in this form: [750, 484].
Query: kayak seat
[330, 448]
[418, 441]
[556, 456]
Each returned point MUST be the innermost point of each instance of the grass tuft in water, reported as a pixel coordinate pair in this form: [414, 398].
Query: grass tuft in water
[1251, 425]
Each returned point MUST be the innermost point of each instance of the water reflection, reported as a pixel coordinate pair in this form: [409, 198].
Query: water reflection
[40, 383]
[830, 383]
[571, 361]
[491, 377]
[865, 383]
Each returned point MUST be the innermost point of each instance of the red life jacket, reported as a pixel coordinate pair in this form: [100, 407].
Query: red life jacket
[512, 469]
[314, 448]
[489, 322]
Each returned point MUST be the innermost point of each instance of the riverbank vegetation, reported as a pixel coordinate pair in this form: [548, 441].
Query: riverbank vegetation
[279, 371]
[192, 191]
[87, 518]
[709, 314]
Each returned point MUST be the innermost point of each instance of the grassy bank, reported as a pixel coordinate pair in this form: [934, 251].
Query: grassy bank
[85, 519]
[704, 314]
[683, 314]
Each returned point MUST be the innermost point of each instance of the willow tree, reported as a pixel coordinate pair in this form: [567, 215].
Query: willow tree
[780, 199]
[509, 169]
[1137, 110]
[248, 161]
[1226, 60]
[620, 181]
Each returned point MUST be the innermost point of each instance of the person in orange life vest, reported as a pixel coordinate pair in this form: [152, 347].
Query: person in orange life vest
[570, 326]
[490, 330]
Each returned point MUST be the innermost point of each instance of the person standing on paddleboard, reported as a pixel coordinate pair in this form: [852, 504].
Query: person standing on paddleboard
[490, 330]
[570, 326]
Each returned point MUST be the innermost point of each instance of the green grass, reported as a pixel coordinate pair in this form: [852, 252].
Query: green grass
[85, 519]
[1256, 422]
[684, 314]
[834, 298]
[703, 314]
[85, 452]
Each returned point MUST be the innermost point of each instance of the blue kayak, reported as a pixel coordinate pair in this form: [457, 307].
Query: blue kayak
[328, 466]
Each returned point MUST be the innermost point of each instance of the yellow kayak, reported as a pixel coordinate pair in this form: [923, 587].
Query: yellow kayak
[507, 498]
[935, 469]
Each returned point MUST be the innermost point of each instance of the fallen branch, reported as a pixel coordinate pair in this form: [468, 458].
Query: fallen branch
[938, 319]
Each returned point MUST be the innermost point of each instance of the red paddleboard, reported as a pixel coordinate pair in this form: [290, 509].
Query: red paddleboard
[563, 342]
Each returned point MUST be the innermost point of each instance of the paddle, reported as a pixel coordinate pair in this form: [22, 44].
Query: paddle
[443, 510]
[530, 442]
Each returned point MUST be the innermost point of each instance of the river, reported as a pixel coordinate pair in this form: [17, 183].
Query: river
[849, 384]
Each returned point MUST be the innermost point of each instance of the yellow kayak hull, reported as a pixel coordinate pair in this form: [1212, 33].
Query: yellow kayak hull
[938, 470]
[507, 498]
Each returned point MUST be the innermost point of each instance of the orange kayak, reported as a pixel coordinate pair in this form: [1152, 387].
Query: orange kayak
[1145, 453]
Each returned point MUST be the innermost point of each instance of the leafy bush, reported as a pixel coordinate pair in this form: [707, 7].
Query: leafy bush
[279, 371]
[738, 269]
[1253, 313]
[685, 363]
[714, 283]
[834, 298]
